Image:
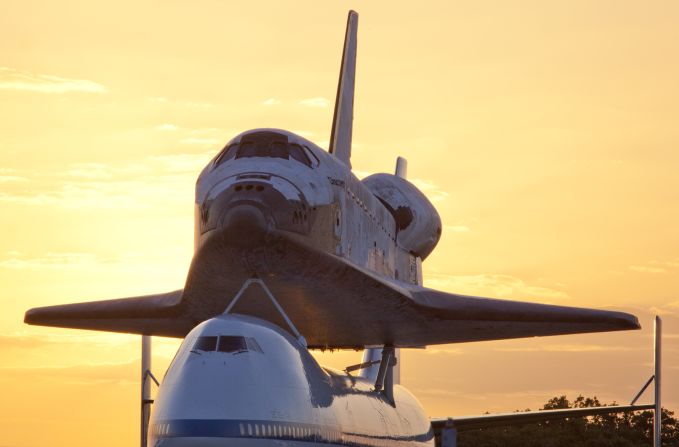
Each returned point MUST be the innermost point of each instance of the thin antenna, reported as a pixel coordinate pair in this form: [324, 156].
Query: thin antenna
[657, 414]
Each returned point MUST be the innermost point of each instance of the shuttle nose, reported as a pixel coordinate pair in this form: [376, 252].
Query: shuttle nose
[243, 210]
[244, 225]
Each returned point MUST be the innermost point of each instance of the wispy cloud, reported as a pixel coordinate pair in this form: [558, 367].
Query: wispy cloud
[670, 264]
[163, 347]
[318, 101]
[655, 266]
[89, 171]
[94, 373]
[647, 269]
[568, 348]
[200, 105]
[671, 308]
[456, 228]
[199, 141]
[303, 133]
[153, 180]
[51, 261]
[9, 175]
[430, 189]
[443, 351]
[494, 285]
[361, 174]
[271, 102]
[183, 163]
[167, 127]
[13, 79]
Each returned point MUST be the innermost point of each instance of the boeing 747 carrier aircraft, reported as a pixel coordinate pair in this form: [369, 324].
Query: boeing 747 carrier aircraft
[293, 252]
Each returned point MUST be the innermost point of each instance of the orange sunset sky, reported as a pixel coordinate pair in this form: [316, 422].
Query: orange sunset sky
[546, 133]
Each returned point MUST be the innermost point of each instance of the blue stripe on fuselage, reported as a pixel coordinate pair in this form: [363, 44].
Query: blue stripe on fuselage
[275, 430]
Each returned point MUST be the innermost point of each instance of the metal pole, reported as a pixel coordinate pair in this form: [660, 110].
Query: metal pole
[657, 414]
[449, 434]
[145, 387]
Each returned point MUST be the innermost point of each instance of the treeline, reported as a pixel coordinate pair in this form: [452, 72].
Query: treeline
[615, 430]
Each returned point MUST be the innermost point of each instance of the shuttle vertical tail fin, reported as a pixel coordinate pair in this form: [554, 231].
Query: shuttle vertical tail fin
[342, 122]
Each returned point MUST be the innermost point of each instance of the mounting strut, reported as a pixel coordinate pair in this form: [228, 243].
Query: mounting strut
[255, 280]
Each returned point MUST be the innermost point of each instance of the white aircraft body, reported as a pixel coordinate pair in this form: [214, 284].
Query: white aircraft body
[286, 236]
[238, 380]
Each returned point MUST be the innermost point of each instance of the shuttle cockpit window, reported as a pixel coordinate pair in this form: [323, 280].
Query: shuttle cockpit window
[265, 145]
[234, 344]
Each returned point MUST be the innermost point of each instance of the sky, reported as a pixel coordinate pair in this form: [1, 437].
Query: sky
[544, 132]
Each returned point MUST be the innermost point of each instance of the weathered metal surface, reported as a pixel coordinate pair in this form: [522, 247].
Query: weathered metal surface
[334, 251]
[418, 225]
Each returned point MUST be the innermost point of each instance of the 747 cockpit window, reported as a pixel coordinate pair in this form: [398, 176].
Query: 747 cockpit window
[205, 344]
[231, 344]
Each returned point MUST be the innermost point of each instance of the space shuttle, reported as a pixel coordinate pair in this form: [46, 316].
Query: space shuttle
[293, 252]
[343, 256]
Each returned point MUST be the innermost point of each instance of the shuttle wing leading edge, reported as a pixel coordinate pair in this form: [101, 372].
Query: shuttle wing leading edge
[159, 314]
[363, 310]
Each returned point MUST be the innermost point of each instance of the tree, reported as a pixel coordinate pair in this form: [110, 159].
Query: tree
[614, 430]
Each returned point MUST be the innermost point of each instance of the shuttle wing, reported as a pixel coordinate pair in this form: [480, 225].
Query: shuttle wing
[339, 306]
[461, 318]
[159, 314]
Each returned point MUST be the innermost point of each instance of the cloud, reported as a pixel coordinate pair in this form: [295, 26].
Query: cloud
[303, 133]
[92, 373]
[441, 351]
[655, 266]
[7, 175]
[671, 308]
[430, 189]
[183, 163]
[271, 102]
[89, 171]
[646, 269]
[12, 79]
[74, 196]
[205, 131]
[154, 180]
[51, 261]
[361, 174]
[674, 263]
[494, 285]
[23, 340]
[568, 348]
[162, 347]
[318, 101]
[200, 141]
[456, 228]
[167, 127]
[199, 104]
